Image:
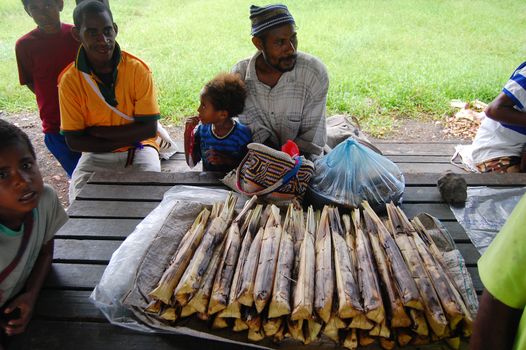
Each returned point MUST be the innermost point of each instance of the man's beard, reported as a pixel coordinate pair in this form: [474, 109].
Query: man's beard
[278, 66]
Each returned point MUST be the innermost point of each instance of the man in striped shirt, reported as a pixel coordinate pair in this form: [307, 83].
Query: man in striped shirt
[499, 143]
[287, 89]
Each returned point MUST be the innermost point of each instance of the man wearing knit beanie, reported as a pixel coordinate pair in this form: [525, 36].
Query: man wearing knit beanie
[287, 89]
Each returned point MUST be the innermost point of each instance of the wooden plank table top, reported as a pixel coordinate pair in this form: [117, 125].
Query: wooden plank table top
[110, 206]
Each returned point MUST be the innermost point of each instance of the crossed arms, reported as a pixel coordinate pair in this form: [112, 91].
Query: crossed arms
[100, 139]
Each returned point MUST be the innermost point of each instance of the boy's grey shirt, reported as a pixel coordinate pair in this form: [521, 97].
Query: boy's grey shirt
[48, 217]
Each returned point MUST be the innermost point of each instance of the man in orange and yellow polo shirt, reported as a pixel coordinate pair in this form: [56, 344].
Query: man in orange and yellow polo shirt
[107, 101]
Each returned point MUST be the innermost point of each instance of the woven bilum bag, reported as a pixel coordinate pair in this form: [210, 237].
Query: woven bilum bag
[273, 176]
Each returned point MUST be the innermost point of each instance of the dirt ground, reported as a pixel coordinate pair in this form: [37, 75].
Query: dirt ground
[53, 174]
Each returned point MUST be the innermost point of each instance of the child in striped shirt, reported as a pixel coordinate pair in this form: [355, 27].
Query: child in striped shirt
[214, 136]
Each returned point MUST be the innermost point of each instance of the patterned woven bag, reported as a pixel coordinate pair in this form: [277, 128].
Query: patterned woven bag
[273, 176]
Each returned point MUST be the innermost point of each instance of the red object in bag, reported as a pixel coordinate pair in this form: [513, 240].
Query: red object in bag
[290, 148]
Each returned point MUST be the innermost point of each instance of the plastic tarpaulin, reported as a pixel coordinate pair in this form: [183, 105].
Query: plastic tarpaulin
[119, 277]
[135, 267]
[137, 264]
[486, 211]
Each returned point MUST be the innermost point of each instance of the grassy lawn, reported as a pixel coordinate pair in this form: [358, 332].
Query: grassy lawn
[386, 59]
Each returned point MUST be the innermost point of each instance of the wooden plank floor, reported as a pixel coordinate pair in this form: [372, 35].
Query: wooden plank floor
[109, 207]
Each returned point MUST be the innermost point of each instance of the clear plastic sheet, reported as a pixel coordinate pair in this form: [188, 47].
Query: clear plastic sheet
[119, 276]
[352, 173]
[486, 211]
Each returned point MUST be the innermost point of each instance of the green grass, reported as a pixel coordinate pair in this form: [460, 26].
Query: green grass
[386, 59]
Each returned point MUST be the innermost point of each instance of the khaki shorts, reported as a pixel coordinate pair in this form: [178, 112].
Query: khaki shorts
[145, 159]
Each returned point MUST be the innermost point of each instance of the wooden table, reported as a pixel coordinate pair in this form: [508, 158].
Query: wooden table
[110, 206]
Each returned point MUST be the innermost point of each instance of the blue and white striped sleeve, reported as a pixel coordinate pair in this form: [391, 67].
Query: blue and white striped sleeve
[515, 88]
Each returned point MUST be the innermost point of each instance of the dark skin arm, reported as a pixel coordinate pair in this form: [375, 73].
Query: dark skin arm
[26, 301]
[501, 110]
[495, 326]
[99, 139]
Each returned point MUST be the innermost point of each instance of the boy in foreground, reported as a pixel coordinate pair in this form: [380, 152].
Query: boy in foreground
[41, 55]
[107, 97]
[30, 215]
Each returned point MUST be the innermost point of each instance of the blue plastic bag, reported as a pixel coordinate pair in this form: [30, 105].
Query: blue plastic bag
[352, 173]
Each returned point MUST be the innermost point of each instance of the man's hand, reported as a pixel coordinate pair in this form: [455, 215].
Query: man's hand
[23, 304]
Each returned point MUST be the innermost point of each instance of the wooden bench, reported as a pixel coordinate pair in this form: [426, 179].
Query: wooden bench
[411, 157]
[109, 207]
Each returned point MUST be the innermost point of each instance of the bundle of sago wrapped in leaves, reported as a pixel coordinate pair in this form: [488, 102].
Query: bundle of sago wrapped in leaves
[353, 278]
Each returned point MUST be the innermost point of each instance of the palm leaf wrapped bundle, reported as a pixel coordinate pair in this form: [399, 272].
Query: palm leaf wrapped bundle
[215, 233]
[184, 253]
[225, 271]
[402, 275]
[324, 284]
[268, 259]
[432, 308]
[367, 277]
[233, 308]
[349, 304]
[303, 298]
[280, 301]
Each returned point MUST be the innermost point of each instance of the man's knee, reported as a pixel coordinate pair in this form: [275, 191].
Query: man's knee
[147, 159]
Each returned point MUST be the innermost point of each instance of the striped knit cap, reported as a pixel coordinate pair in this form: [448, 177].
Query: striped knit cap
[269, 16]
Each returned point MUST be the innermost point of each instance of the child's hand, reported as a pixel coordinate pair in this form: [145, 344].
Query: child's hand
[192, 122]
[23, 305]
[189, 127]
[217, 158]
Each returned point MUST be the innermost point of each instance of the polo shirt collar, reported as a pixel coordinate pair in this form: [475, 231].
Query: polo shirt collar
[82, 63]
[108, 92]
[252, 75]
